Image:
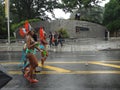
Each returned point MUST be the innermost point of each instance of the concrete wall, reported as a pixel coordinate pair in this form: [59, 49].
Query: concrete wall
[95, 30]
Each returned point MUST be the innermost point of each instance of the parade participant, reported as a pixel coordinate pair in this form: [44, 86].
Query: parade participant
[24, 59]
[22, 32]
[42, 35]
[35, 36]
[44, 54]
[33, 62]
[43, 43]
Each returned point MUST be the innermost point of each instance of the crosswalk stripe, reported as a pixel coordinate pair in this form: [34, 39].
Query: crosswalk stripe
[72, 72]
[105, 64]
[54, 68]
[58, 70]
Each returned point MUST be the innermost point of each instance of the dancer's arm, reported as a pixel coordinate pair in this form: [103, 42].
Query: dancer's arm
[29, 45]
[39, 49]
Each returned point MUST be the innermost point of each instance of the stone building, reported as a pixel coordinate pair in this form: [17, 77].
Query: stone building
[75, 28]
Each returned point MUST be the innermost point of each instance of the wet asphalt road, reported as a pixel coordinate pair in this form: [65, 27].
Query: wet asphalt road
[85, 70]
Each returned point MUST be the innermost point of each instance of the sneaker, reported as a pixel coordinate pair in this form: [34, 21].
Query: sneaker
[33, 80]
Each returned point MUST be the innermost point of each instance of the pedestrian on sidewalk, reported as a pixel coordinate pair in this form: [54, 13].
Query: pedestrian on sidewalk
[55, 38]
[51, 39]
[60, 38]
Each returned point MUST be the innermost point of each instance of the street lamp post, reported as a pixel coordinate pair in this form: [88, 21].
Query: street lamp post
[8, 18]
[8, 23]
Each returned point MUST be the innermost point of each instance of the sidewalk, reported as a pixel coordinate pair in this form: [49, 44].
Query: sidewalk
[86, 44]
[90, 45]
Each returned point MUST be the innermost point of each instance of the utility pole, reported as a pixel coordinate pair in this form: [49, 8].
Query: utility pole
[7, 13]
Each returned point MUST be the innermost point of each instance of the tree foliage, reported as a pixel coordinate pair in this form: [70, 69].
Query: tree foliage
[70, 5]
[30, 9]
[63, 32]
[3, 24]
[93, 14]
[112, 15]
[88, 9]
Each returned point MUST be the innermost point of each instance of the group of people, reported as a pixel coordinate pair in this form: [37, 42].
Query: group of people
[31, 46]
[55, 38]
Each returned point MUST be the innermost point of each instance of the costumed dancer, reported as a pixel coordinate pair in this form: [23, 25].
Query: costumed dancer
[22, 32]
[29, 50]
[44, 54]
[33, 62]
[43, 43]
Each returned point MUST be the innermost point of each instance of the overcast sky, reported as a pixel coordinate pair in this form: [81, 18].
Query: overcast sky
[60, 14]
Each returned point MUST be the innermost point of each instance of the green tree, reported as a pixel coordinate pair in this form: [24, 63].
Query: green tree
[88, 9]
[21, 10]
[64, 33]
[3, 31]
[112, 16]
[70, 5]
[93, 14]
[30, 9]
